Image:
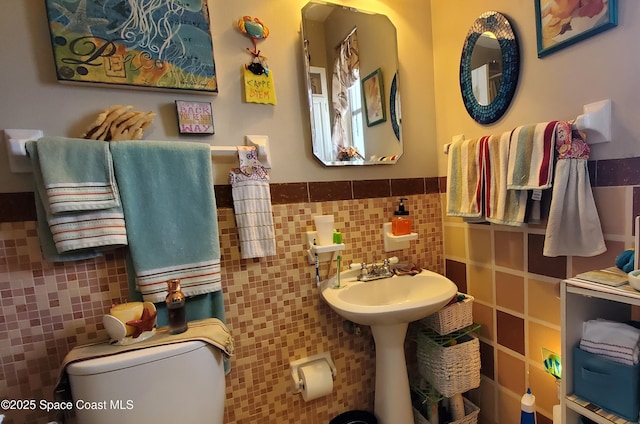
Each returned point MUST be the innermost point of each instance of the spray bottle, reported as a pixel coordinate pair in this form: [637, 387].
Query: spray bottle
[528, 408]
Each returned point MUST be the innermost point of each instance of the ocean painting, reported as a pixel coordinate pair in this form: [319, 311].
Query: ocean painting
[162, 44]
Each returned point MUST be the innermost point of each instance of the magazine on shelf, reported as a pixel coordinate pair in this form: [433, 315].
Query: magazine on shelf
[612, 276]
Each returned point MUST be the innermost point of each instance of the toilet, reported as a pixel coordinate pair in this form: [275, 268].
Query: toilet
[182, 382]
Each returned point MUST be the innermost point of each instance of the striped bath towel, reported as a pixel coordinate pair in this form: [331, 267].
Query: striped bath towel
[170, 212]
[531, 156]
[464, 179]
[77, 225]
[506, 207]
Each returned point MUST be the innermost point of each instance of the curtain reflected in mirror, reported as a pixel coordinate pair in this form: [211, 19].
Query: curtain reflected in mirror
[347, 107]
[341, 45]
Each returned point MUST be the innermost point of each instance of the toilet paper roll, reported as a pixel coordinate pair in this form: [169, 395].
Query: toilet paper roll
[317, 380]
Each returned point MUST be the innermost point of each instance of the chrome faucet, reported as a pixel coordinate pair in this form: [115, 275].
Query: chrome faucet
[375, 271]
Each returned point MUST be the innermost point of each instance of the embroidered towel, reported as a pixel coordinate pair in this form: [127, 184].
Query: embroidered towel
[506, 207]
[531, 156]
[573, 226]
[77, 229]
[613, 340]
[252, 205]
[464, 179]
[170, 213]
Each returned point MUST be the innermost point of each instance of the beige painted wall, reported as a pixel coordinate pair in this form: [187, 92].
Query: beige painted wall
[553, 88]
[31, 97]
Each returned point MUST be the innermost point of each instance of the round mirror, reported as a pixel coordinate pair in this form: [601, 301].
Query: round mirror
[489, 67]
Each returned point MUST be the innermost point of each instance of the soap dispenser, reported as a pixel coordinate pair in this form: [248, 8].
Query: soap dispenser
[401, 223]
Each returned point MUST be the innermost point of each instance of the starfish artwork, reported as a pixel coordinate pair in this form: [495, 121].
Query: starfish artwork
[162, 44]
[146, 322]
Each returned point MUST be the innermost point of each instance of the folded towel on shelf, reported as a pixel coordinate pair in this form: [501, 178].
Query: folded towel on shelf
[170, 212]
[506, 207]
[77, 232]
[615, 341]
[464, 179]
[531, 156]
[573, 226]
[77, 174]
[252, 205]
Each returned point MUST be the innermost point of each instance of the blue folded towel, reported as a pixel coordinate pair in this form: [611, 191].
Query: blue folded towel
[78, 229]
[77, 174]
[170, 212]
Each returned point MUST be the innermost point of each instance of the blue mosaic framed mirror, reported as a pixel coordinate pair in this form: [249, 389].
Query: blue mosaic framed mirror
[489, 67]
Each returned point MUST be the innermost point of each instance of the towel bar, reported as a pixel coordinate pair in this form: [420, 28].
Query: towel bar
[595, 122]
[19, 163]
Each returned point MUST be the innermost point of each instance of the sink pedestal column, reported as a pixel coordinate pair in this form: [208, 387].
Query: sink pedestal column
[393, 395]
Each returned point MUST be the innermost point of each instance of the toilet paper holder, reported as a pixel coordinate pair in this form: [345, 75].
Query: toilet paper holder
[295, 365]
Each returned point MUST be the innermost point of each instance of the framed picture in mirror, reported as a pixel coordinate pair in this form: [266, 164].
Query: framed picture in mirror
[561, 23]
[316, 82]
[372, 91]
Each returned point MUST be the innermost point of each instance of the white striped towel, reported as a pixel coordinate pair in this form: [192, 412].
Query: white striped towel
[615, 341]
[506, 207]
[252, 205]
[531, 156]
[464, 179]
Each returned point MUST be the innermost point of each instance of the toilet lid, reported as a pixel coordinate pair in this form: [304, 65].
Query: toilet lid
[132, 358]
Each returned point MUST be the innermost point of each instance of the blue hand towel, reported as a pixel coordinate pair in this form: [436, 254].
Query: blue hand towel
[74, 232]
[170, 213]
[77, 174]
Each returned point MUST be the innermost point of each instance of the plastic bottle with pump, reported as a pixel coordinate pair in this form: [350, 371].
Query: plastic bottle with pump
[401, 223]
[528, 408]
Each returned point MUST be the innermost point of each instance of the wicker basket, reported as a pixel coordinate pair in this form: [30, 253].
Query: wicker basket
[451, 318]
[471, 412]
[450, 369]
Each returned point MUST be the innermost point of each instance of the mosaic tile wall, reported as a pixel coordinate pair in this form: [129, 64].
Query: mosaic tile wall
[272, 305]
[516, 291]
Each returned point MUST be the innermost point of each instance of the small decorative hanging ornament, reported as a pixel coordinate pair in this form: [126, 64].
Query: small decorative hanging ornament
[258, 79]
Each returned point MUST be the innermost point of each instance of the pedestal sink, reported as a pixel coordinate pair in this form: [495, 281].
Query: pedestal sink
[388, 306]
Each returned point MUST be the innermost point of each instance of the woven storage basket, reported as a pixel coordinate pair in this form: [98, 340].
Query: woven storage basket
[451, 318]
[471, 412]
[450, 369]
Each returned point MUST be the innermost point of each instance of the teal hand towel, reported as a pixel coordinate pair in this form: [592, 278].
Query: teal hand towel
[73, 234]
[169, 205]
[77, 174]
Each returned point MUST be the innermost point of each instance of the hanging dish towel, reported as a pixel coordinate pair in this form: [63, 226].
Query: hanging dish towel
[77, 196]
[252, 205]
[573, 226]
[464, 179]
[170, 213]
[505, 207]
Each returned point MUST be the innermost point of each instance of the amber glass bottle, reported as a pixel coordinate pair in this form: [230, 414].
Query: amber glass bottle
[176, 308]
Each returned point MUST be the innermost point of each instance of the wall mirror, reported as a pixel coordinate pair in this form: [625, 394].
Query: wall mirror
[351, 69]
[489, 67]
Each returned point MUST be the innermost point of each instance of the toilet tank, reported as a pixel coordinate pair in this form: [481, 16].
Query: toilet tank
[181, 382]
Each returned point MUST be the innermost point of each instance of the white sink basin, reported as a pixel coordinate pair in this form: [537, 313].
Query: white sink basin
[391, 300]
[388, 305]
